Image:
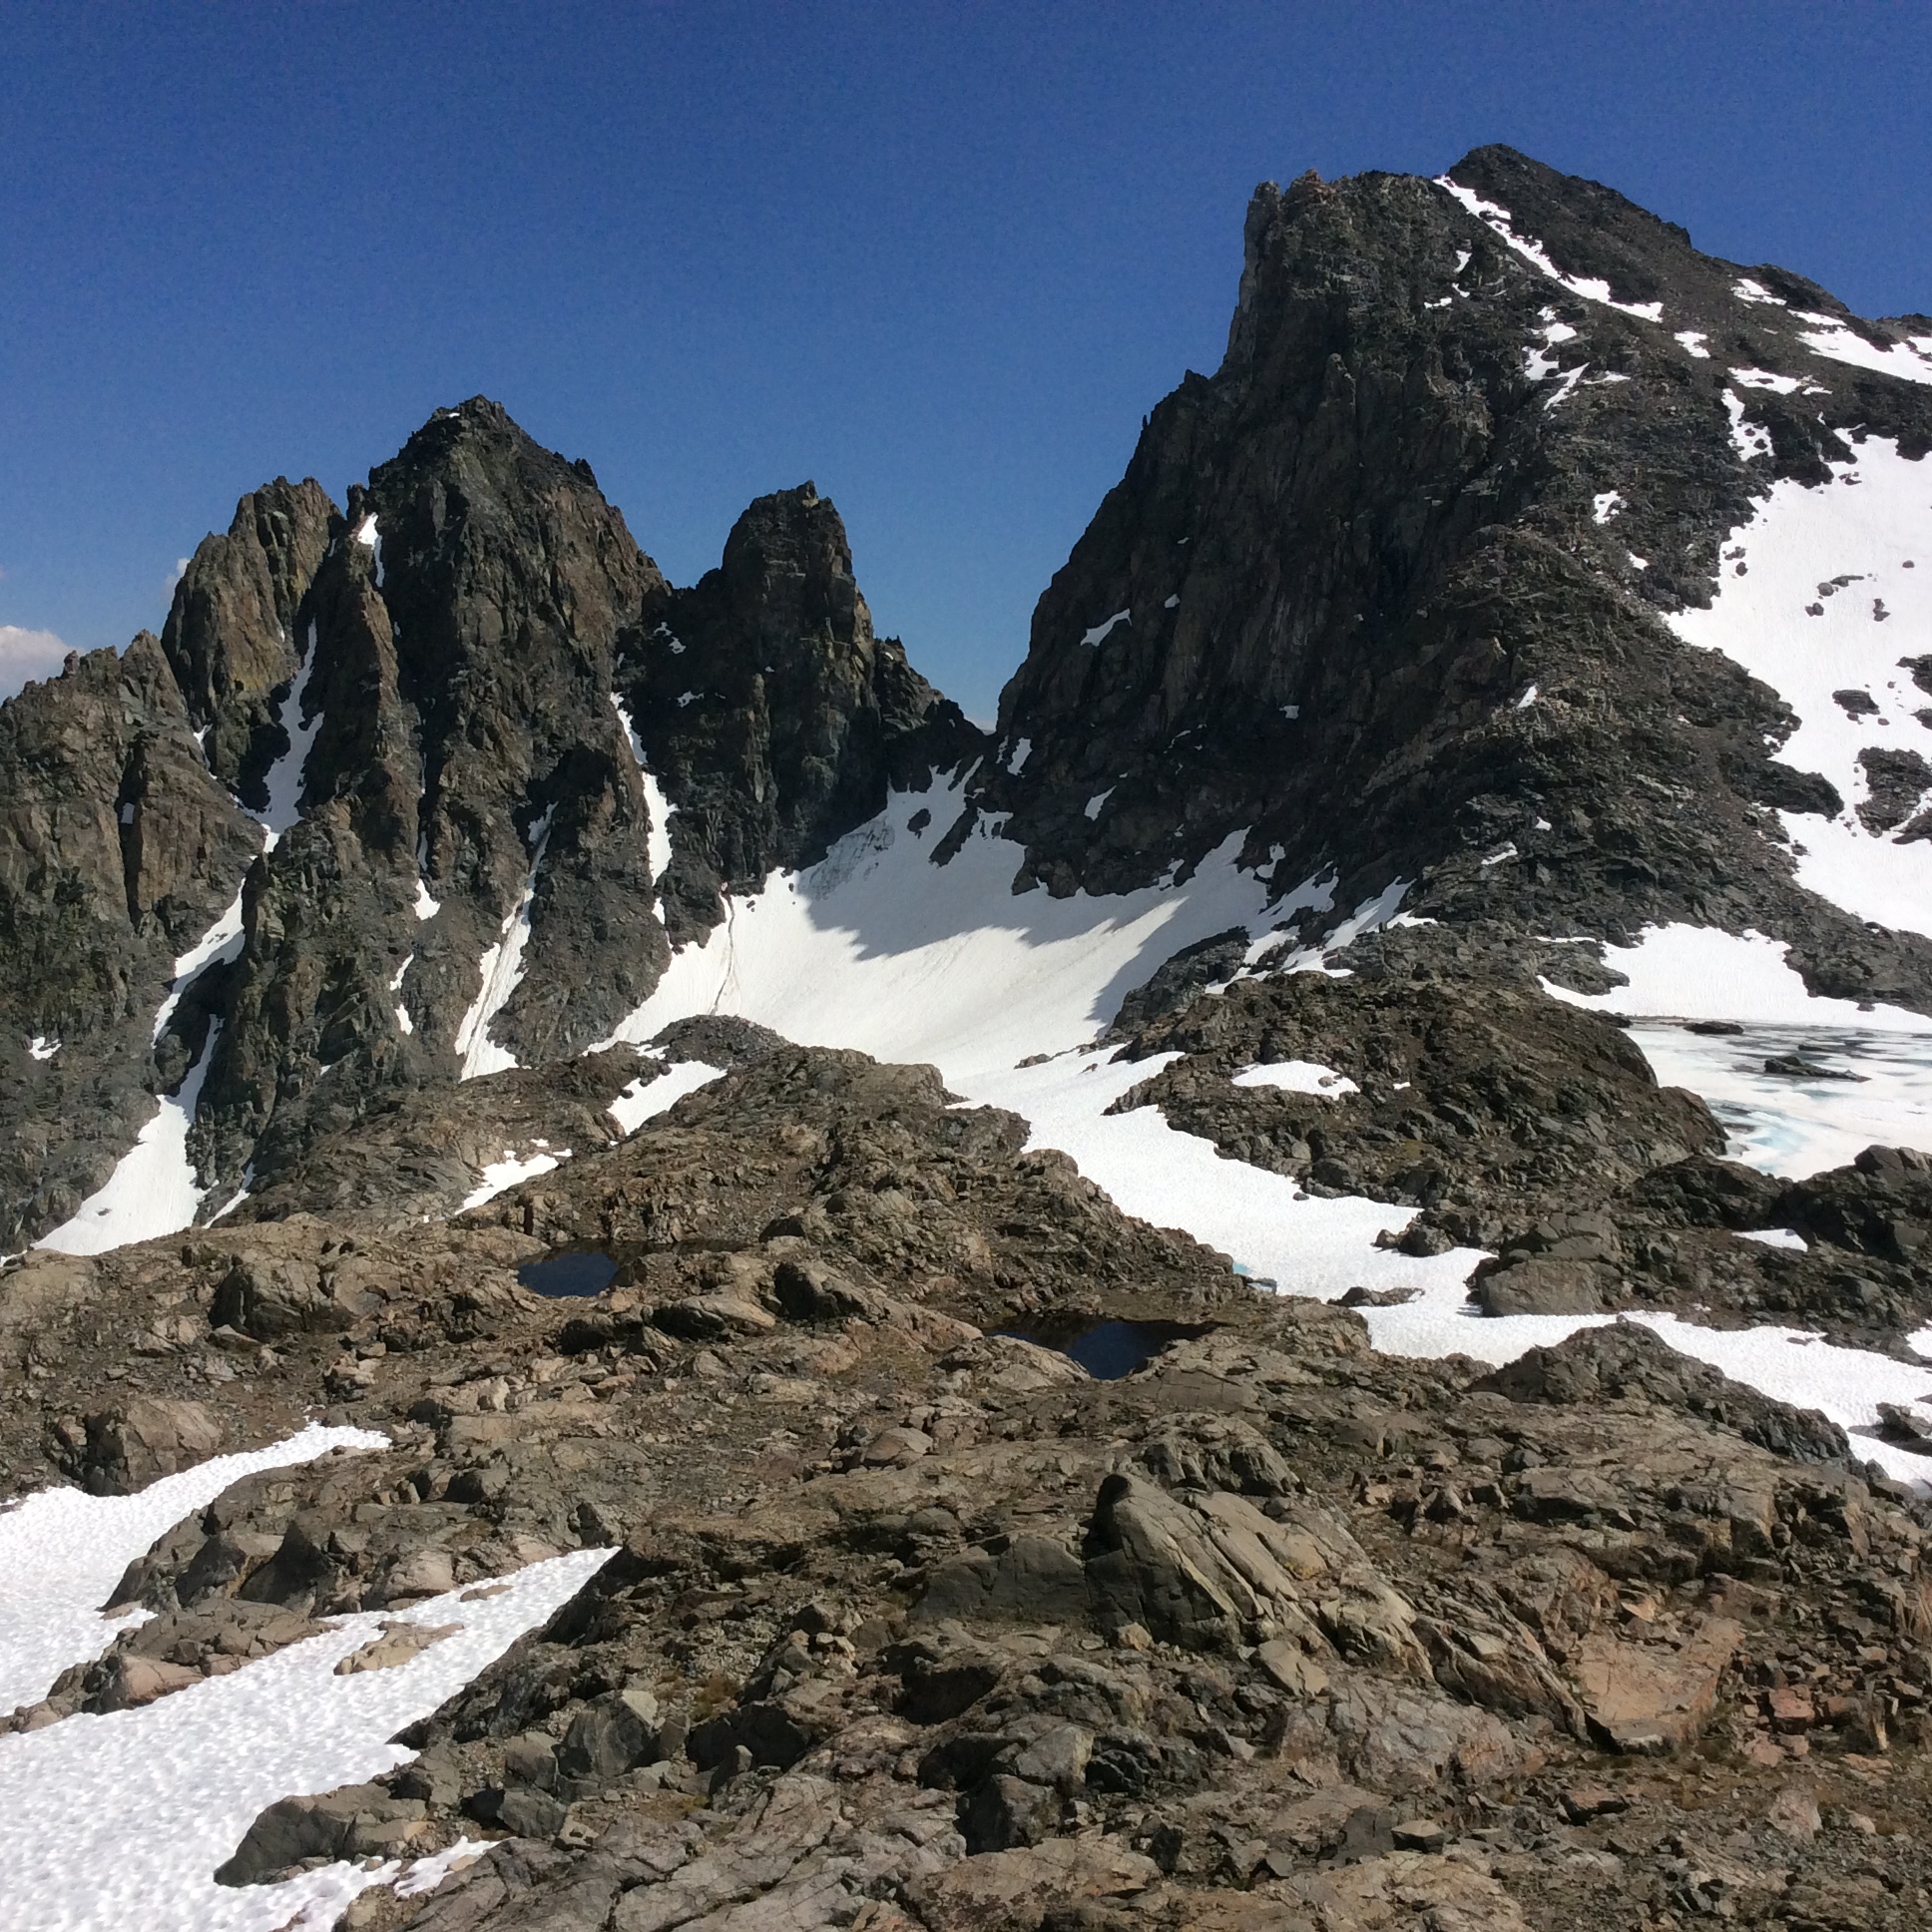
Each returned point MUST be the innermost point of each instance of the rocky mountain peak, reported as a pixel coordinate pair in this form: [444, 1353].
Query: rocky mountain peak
[1382, 599]
[788, 577]
[1387, 592]
[773, 717]
[465, 786]
[232, 633]
[456, 720]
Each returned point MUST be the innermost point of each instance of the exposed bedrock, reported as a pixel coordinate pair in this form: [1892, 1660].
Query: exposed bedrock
[1386, 589]
[908, 1622]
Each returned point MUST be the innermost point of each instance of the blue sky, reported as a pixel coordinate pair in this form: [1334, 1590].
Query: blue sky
[940, 258]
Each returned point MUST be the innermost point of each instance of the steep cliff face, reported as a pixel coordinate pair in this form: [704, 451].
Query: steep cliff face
[468, 883]
[773, 715]
[230, 636]
[1385, 590]
[420, 727]
[117, 849]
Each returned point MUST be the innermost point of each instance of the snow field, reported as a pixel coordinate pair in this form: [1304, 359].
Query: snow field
[660, 808]
[121, 1820]
[370, 538]
[1260, 1219]
[154, 1188]
[1100, 632]
[1825, 589]
[1298, 1077]
[284, 779]
[1702, 973]
[879, 949]
[1910, 359]
[510, 1171]
[644, 1099]
[61, 1552]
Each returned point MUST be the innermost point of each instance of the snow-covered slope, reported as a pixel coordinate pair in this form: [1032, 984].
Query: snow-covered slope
[1826, 595]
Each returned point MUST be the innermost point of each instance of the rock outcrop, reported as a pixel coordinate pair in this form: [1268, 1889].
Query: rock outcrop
[773, 718]
[233, 635]
[118, 850]
[905, 1624]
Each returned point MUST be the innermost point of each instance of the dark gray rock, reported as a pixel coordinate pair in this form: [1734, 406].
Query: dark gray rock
[1313, 609]
[1031, 1580]
[233, 635]
[127, 1447]
[355, 1821]
[118, 849]
[1008, 1811]
[775, 718]
[1626, 1361]
[604, 1741]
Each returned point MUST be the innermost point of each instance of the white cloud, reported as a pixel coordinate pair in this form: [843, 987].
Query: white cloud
[25, 654]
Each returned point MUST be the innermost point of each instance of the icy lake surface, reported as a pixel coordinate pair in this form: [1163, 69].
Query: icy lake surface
[1796, 1124]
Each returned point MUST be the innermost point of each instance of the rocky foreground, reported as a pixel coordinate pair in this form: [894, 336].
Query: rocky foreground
[912, 1623]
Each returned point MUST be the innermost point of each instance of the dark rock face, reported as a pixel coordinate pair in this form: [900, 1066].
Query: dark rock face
[465, 747]
[416, 1150]
[231, 635]
[773, 715]
[1627, 1362]
[1354, 597]
[118, 850]
[423, 697]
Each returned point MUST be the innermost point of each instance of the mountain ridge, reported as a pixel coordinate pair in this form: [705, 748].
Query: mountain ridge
[1291, 1291]
[479, 655]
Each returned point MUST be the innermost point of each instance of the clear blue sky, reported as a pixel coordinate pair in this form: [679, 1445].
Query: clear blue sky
[941, 258]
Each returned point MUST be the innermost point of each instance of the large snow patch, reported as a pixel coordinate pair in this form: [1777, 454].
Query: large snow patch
[1824, 591]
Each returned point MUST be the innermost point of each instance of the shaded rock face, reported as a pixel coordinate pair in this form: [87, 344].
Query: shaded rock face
[1316, 607]
[773, 717]
[117, 849]
[1626, 1363]
[231, 635]
[464, 748]
[423, 696]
